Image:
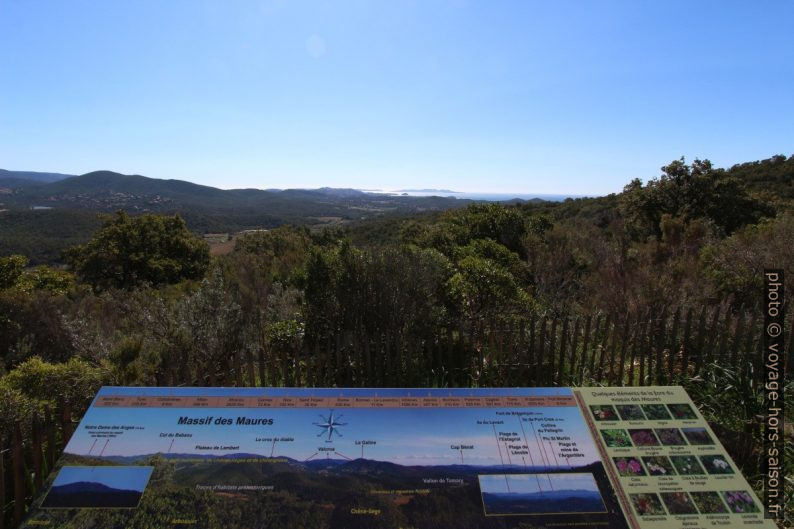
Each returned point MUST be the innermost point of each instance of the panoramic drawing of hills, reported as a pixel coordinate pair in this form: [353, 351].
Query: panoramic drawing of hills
[232, 492]
[346, 465]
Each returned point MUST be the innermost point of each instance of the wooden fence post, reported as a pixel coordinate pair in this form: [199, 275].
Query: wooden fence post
[610, 373]
[249, 367]
[210, 369]
[49, 429]
[639, 341]
[36, 448]
[563, 341]
[228, 369]
[261, 364]
[574, 342]
[539, 357]
[531, 350]
[712, 344]
[723, 341]
[238, 369]
[610, 328]
[287, 355]
[585, 343]
[645, 348]
[591, 372]
[2, 483]
[350, 358]
[299, 365]
[338, 364]
[673, 346]
[701, 333]
[659, 339]
[627, 334]
[737, 338]
[66, 422]
[686, 342]
[18, 470]
[749, 340]
[549, 378]
[185, 372]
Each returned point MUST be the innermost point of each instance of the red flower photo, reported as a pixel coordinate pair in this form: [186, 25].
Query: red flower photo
[643, 437]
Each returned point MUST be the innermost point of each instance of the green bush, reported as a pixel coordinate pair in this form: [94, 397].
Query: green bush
[15, 407]
[75, 381]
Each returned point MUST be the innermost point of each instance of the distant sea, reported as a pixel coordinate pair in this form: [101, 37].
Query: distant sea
[493, 197]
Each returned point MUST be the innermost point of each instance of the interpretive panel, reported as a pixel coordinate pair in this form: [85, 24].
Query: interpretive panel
[668, 466]
[610, 458]
[330, 458]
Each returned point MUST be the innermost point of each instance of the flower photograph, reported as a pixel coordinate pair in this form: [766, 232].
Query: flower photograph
[682, 411]
[670, 436]
[629, 466]
[740, 501]
[678, 503]
[658, 466]
[687, 465]
[656, 412]
[616, 438]
[604, 412]
[708, 502]
[630, 412]
[643, 437]
[697, 436]
[647, 504]
[716, 464]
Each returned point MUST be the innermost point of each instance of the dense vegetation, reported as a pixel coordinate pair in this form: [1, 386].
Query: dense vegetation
[142, 297]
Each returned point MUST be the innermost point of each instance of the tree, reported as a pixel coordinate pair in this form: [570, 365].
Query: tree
[696, 191]
[487, 292]
[502, 224]
[14, 275]
[11, 270]
[131, 251]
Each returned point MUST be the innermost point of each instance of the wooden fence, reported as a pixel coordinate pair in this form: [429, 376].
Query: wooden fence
[541, 351]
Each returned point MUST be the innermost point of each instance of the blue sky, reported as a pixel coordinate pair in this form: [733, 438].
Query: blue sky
[524, 96]
[405, 436]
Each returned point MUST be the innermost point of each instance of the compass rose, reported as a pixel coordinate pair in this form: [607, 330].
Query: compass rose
[330, 425]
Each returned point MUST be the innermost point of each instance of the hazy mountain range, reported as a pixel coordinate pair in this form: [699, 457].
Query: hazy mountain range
[357, 465]
[560, 501]
[106, 190]
[42, 214]
[90, 494]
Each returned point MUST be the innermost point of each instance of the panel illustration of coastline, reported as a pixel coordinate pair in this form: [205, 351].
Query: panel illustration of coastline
[323, 458]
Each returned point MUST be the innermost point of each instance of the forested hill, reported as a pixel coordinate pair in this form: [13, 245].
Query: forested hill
[108, 191]
[772, 177]
[42, 214]
[40, 218]
[727, 198]
[660, 284]
[26, 177]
